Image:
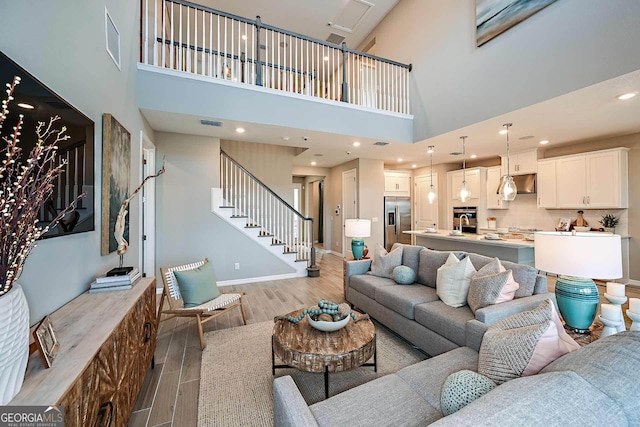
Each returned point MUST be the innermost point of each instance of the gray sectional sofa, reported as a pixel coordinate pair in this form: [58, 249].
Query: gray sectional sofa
[416, 313]
[596, 385]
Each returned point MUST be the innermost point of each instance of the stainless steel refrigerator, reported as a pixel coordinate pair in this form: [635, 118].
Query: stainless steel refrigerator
[397, 218]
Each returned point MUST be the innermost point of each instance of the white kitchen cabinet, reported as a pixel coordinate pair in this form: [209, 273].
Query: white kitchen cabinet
[397, 184]
[473, 183]
[593, 180]
[546, 185]
[494, 201]
[521, 163]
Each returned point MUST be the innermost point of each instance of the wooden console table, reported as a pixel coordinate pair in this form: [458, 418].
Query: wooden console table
[107, 341]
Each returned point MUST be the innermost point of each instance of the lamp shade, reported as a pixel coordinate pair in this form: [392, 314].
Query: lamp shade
[357, 228]
[588, 255]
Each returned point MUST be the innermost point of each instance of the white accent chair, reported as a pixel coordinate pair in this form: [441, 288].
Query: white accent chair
[204, 312]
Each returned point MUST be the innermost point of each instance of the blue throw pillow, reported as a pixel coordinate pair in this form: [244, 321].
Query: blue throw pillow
[197, 286]
[404, 275]
[462, 388]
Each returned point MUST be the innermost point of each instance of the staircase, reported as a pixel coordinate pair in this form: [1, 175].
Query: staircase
[254, 209]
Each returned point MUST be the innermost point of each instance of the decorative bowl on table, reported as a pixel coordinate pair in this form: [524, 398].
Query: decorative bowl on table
[582, 229]
[430, 230]
[328, 326]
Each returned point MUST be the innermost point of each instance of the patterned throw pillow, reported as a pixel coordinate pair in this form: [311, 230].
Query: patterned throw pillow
[453, 279]
[383, 263]
[523, 344]
[404, 275]
[462, 388]
[492, 284]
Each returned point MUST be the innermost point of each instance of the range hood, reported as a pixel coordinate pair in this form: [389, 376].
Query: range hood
[526, 183]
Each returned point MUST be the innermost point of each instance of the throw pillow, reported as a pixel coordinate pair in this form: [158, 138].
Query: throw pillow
[492, 284]
[430, 261]
[383, 263]
[453, 279]
[514, 346]
[404, 275]
[197, 286]
[462, 388]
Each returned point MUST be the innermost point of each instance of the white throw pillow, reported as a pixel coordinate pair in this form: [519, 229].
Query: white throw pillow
[383, 263]
[453, 280]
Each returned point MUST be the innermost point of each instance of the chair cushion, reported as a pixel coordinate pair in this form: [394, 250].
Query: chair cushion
[525, 275]
[430, 261]
[403, 298]
[367, 284]
[447, 321]
[453, 279]
[383, 263]
[404, 275]
[462, 388]
[410, 255]
[198, 285]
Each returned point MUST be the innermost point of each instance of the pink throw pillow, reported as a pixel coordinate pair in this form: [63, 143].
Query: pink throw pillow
[554, 343]
[508, 291]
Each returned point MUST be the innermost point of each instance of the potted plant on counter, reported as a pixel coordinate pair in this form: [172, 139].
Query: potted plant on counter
[25, 186]
[609, 222]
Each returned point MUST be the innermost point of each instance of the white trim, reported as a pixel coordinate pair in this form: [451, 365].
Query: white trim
[633, 282]
[145, 144]
[333, 253]
[158, 291]
[240, 85]
[261, 279]
[107, 19]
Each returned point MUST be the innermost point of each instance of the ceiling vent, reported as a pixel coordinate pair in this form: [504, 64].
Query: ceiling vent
[351, 15]
[380, 143]
[335, 38]
[455, 153]
[522, 138]
[211, 123]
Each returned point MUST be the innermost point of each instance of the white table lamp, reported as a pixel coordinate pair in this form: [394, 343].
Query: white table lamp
[357, 228]
[576, 259]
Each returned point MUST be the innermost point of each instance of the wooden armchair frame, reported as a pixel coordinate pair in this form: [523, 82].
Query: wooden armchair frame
[203, 313]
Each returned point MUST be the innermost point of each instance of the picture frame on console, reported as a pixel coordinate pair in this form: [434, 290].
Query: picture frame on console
[46, 341]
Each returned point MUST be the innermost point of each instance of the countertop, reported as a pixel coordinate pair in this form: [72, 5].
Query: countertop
[473, 238]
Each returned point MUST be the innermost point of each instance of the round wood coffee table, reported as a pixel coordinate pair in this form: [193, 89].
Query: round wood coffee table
[303, 347]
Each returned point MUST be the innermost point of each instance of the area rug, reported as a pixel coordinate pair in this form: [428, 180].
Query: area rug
[236, 381]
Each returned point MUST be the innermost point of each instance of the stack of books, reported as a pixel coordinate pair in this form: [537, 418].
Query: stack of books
[114, 283]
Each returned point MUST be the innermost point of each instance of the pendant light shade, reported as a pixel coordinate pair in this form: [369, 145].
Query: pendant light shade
[463, 192]
[431, 196]
[508, 189]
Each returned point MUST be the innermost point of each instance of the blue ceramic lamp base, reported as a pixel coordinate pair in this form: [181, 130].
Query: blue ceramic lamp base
[357, 248]
[578, 301]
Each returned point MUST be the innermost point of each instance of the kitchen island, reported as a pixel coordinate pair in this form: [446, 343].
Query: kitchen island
[515, 250]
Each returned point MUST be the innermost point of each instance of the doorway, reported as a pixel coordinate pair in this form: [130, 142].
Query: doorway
[148, 208]
[426, 214]
[349, 204]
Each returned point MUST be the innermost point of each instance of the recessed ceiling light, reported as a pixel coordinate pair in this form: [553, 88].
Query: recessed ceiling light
[473, 156]
[313, 163]
[356, 144]
[240, 130]
[399, 160]
[414, 166]
[244, 37]
[503, 131]
[26, 106]
[626, 96]
[544, 142]
[326, 58]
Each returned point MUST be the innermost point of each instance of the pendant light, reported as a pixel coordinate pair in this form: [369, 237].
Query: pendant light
[464, 192]
[431, 196]
[508, 189]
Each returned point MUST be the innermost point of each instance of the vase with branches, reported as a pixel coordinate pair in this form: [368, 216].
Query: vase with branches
[25, 187]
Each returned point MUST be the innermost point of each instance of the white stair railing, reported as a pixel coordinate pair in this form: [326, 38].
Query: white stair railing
[264, 209]
[191, 38]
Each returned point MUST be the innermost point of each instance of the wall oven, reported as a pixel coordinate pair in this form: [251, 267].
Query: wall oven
[471, 213]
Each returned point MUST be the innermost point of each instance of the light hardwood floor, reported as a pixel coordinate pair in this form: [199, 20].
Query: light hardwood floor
[169, 395]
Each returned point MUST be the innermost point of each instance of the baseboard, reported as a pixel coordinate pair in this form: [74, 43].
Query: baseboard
[260, 279]
[333, 253]
[158, 291]
[633, 282]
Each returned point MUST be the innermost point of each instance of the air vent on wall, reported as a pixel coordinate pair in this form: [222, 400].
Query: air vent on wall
[381, 143]
[335, 38]
[211, 123]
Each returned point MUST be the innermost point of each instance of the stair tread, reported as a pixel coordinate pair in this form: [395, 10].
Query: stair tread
[252, 226]
[227, 207]
[239, 216]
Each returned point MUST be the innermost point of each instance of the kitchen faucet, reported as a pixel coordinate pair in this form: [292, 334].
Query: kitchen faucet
[466, 221]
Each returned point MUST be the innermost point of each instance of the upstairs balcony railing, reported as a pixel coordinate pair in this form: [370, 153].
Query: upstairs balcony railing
[183, 36]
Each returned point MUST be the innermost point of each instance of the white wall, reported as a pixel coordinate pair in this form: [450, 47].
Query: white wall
[62, 44]
[569, 45]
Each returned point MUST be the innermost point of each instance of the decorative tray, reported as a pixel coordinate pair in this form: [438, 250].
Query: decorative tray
[513, 236]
